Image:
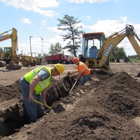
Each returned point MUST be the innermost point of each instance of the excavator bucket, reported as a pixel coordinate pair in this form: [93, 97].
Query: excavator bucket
[13, 66]
[2, 63]
[108, 70]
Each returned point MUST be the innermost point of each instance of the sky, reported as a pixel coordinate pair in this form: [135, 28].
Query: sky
[36, 20]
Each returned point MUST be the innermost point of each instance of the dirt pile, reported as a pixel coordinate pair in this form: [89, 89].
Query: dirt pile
[105, 108]
[9, 92]
[120, 94]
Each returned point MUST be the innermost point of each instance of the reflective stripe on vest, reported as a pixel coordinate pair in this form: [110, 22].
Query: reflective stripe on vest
[42, 83]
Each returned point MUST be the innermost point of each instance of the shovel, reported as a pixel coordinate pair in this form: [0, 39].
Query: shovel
[73, 86]
[41, 104]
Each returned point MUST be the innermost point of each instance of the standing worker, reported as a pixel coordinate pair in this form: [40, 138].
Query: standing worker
[83, 71]
[34, 85]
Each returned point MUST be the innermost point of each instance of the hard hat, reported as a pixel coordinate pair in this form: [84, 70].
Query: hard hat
[75, 59]
[59, 68]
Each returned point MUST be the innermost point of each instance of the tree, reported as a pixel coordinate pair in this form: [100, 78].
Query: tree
[111, 58]
[118, 53]
[55, 49]
[70, 24]
[126, 59]
[39, 54]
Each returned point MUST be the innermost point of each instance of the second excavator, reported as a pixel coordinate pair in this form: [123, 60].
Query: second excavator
[8, 56]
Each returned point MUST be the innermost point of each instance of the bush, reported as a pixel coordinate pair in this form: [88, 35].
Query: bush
[117, 59]
[126, 59]
[112, 59]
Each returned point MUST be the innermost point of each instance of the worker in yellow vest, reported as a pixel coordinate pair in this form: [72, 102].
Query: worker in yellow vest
[34, 86]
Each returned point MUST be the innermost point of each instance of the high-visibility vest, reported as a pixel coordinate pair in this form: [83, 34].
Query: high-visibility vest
[41, 85]
[81, 68]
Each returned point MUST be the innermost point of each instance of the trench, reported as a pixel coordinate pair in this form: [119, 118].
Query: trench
[14, 117]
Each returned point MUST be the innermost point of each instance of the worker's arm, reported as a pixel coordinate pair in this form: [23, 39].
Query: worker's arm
[33, 83]
[81, 69]
[79, 75]
[44, 96]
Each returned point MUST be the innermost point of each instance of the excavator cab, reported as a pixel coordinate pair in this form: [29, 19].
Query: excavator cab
[91, 43]
[7, 54]
[2, 63]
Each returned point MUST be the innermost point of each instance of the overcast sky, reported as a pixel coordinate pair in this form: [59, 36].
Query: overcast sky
[39, 19]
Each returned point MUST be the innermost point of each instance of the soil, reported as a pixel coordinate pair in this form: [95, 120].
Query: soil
[105, 108]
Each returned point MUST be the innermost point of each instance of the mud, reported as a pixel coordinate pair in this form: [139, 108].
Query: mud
[105, 108]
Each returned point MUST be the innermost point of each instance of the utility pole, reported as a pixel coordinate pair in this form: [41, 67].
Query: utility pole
[30, 44]
[42, 45]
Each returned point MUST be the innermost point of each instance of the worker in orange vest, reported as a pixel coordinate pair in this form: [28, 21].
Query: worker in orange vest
[83, 71]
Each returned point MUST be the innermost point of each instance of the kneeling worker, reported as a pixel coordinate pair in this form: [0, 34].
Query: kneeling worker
[34, 85]
[83, 71]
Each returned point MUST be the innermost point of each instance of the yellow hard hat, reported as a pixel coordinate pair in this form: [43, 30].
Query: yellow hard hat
[60, 68]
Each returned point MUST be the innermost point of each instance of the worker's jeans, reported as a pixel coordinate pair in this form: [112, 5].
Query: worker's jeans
[33, 109]
[84, 79]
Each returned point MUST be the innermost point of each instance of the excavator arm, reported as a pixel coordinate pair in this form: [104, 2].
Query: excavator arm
[108, 46]
[112, 41]
[134, 43]
[5, 37]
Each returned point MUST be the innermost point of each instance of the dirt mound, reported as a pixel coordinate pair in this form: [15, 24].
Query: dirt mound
[104, 108]
[120, 94]
[9, 92]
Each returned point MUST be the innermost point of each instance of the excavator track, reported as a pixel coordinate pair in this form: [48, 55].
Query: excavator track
[13, 66]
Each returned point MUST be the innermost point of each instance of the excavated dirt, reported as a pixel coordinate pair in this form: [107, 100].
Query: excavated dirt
[105, 108]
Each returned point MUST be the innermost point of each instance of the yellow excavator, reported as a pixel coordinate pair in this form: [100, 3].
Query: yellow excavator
[96, 48]
[8, 56]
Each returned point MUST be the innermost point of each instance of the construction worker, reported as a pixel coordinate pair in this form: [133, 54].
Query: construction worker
[34, 86]
[83, 71]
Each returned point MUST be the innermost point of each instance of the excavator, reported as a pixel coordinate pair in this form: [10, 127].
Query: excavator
[8, 57]
[96, 48]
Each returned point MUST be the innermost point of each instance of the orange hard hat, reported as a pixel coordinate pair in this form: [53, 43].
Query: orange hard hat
[75, 59]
